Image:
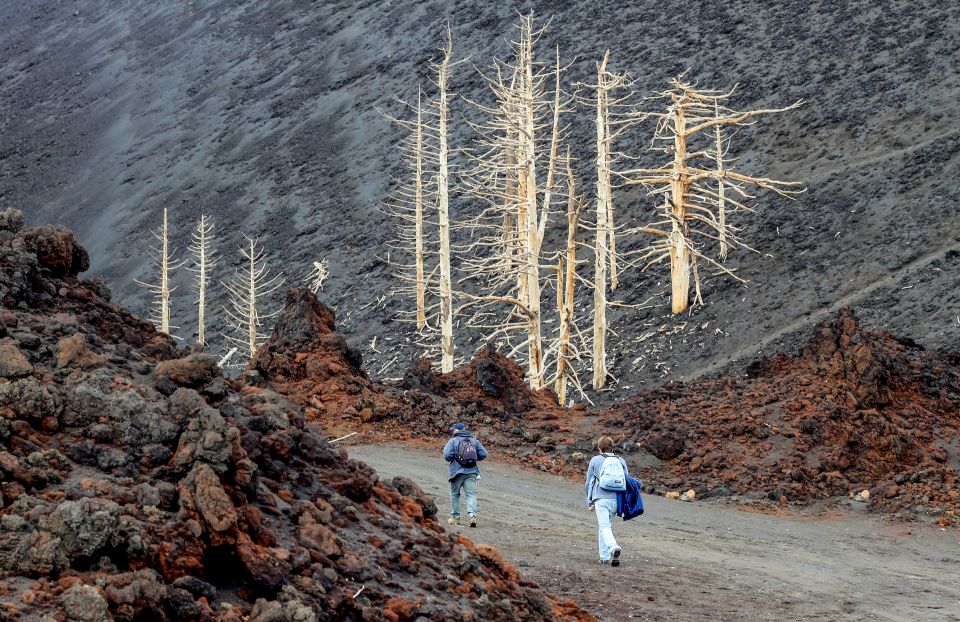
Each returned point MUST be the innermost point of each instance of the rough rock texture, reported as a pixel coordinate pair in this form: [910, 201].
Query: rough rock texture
[855, 409]
[136, 483]
[308, 360]
[490, 380]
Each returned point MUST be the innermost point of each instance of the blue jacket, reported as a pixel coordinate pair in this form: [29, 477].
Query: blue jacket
[629, 502]
[450, 450]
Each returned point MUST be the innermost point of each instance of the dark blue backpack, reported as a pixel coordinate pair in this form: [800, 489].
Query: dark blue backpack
[466, 454]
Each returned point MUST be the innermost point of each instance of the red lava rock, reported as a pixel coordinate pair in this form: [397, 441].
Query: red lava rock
[57, 250]
[853, 407]
[73, 351]
[193, 371]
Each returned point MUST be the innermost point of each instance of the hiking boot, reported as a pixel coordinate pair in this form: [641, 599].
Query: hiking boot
[616, 557]
[454, 520]
[473, 520]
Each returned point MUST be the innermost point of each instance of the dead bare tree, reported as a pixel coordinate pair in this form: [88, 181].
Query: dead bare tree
[690, 212]
[317, 276]
[407, 206]
[163, 264]
[614, 93]
[566, 283]
[204, 258]
[248, 289]
[504, 254]
[440, 104]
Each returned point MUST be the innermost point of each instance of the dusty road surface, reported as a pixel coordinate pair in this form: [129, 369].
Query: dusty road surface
[692, 561]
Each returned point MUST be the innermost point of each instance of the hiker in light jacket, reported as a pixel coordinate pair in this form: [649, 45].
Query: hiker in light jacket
[604, 502]
[461, 476]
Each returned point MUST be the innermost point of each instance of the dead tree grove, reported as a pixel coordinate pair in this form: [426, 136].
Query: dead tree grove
[423, 235]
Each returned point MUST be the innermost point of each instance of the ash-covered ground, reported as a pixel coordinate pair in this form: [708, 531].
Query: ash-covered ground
[264, 115]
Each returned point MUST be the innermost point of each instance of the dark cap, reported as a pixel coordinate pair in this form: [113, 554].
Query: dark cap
[457, 427]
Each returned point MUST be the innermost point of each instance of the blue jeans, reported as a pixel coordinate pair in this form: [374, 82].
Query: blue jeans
[605, 509]
[467, 481]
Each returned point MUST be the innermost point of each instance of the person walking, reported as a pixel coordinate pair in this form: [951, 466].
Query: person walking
[463, 452]
[606, 476]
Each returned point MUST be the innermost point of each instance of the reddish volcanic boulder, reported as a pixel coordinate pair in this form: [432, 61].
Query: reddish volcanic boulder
[57, 250]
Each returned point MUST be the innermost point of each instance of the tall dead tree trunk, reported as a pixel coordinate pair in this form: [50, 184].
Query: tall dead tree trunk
[421, 284]
[163, 263]
[443, 213]
[680, 182]
[204, 259]
[566, 282]
[601, 251]
[721, 202]
[531, 245]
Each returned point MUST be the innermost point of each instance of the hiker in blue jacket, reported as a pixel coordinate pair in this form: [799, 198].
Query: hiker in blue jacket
[611, 469]
[463, 452]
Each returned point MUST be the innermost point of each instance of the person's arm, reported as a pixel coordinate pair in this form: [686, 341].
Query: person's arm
[626, 471]
[481, 452]
[448, 450]
[589, 483]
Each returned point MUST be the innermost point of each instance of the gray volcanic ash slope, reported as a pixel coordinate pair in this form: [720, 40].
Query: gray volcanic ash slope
[263, 115]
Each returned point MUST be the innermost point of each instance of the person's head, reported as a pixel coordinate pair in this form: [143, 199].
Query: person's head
[604, 444]
[457, 427]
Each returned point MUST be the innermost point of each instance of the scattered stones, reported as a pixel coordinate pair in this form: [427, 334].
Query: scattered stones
[863, 496]
[672, 495]
[690, 495]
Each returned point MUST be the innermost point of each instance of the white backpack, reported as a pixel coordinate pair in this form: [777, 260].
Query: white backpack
[611, 476]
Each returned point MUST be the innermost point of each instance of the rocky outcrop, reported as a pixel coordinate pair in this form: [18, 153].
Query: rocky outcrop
[490, 382]
[855, 409]
[137, 483]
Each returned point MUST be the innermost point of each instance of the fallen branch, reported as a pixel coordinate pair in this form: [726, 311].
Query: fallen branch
[341, 438]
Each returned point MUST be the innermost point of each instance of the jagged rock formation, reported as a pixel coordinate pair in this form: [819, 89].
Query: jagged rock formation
[308, 360]
[854, 409]
[137, 483]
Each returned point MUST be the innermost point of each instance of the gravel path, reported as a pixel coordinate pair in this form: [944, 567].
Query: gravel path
[698, 561]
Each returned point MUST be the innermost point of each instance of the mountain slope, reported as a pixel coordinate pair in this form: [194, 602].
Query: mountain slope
[264, 115]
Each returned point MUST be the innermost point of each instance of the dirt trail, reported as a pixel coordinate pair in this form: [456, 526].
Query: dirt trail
[701, 562]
